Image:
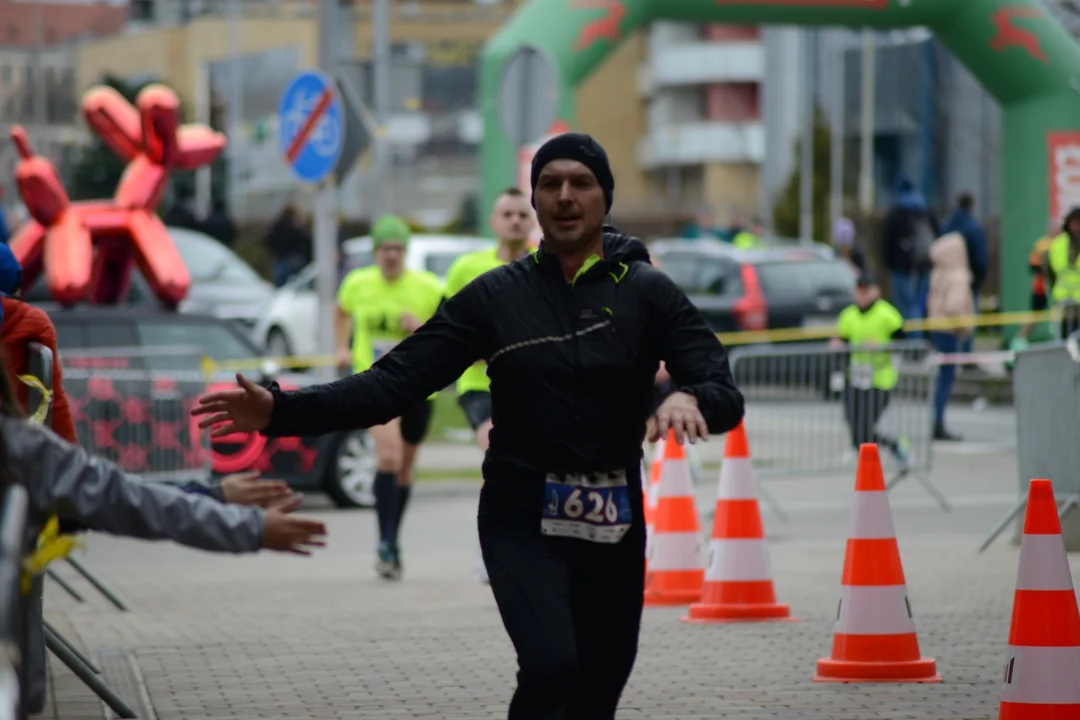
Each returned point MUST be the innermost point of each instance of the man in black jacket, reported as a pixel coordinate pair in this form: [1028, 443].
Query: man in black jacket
[908, 230]
[573, 336]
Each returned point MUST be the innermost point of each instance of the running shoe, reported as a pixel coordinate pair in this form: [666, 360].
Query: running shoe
[398, 568]
[386, 563]
[903, 454]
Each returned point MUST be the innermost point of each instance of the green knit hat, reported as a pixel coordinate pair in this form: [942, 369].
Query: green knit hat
[390, 228]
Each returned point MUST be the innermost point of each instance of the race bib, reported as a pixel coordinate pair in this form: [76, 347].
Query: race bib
[380, 348]
[593, 507]
[861, 377]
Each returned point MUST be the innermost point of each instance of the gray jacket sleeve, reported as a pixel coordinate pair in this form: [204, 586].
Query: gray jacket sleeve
[64, 479]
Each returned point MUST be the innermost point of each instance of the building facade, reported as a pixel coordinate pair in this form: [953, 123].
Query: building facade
[677, 106]
[37, 75]
[933, 122]
[704, 140]
[690, 114]
[231, 73]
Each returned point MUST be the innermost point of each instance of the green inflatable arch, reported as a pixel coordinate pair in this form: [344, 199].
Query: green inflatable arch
[1020, 53]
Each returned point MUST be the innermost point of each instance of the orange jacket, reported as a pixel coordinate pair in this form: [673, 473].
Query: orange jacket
[1035, 261]
[24, 324]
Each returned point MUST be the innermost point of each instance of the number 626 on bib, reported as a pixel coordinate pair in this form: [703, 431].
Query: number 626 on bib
[593, 507]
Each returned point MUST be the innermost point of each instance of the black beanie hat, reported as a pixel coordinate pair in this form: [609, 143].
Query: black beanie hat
[580, 147]
[1073, 214]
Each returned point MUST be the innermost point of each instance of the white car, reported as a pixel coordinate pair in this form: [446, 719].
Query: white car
[290, 324]
[289, 328]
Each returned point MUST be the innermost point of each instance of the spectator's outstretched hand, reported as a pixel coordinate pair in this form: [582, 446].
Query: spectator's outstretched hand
[247, 489]
[246, 409]
[287, 533]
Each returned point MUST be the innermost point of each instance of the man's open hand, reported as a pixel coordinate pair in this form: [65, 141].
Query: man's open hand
[679, 413]
[247, 489]
[246, 409]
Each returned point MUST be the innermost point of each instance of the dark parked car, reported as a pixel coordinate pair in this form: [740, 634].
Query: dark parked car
[133, 416]
[740, 290]
[769, 289]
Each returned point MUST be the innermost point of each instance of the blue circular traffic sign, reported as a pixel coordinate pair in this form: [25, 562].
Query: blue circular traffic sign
[311, 126]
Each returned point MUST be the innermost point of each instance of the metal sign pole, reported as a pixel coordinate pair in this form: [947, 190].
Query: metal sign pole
[203, 178]
[806, 162]
[325, 219]
[237, 188]
[868, 101]
[839, 112]
[381, 59]
[322, 134]
[325, 231]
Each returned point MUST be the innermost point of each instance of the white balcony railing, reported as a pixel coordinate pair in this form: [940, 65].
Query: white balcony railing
[704, 62]
[695, 143]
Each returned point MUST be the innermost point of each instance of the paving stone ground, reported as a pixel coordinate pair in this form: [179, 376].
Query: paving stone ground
[218, 637]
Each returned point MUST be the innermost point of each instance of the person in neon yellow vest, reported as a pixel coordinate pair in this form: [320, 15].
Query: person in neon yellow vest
[1040, 292]
[379, 306]
[871, 321]
[511, 220]
[1063, 271]
[746, 239]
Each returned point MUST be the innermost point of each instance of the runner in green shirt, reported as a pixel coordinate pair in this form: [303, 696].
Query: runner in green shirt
[511, 220]
[379, 306]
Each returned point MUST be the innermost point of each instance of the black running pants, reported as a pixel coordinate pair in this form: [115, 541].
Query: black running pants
[572, 609]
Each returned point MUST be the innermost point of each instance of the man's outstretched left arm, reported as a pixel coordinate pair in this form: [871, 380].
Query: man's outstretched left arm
[695, 358]
[425, 362]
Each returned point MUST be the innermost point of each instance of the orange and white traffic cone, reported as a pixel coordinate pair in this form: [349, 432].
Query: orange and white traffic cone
[650, 487]
[647, 513]
[654, 471]
[646, 510]
[874, 639]
[1041, 680]
[738, 578]
[676, 571]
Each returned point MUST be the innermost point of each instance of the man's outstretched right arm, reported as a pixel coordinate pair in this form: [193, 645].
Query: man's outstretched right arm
[425, 362]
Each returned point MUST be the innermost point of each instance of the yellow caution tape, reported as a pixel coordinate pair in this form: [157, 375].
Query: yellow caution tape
[822, 332]
[826, 332]
[51, 545]
[293, 362]
[42, 412]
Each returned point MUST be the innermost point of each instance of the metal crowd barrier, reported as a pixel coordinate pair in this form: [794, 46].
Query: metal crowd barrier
[13, 535]
[139, 418]
[41, 367]
[1046, 388]
[38, 632]
[806, 414]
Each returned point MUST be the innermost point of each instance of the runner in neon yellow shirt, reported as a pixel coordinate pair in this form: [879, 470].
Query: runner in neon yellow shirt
[511, 220]
[380, 306]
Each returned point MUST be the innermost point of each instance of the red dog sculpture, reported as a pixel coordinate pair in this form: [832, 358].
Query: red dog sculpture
[86, 249]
